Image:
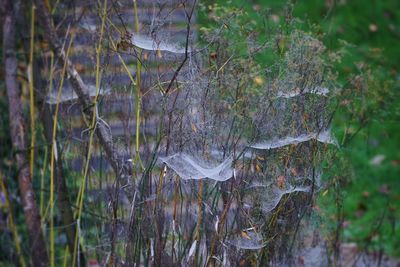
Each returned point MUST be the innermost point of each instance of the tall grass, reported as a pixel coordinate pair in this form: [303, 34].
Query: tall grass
[161, 212]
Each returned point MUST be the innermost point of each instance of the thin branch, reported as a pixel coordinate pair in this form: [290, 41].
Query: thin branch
[188, 27]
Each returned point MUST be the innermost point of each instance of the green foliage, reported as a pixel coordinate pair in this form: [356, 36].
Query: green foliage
[361, 41]
[253, 44]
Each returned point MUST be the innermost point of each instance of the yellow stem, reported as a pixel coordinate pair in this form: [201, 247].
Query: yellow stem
[137, 101]
[138, 85]
[199, 203]
[81, 193]
[42, 175]
[66, 253]
[11, 222]
[199, 220]
[31, 95]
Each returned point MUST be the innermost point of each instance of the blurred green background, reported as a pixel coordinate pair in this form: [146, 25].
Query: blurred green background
[365, 181]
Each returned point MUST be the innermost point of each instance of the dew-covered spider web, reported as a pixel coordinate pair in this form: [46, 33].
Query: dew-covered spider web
[219, 156]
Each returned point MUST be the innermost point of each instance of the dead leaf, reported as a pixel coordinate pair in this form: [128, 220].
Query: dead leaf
[245, 235]
[256, 7]
[280, 181]
[275, 18]
[373, 27]
[260, 158]
[194, 129]
[159, 55]
[293, 172]
[213, 55]
[258, 80]
[377, 160]
[80, 68]
[258, 168]
[325, 192]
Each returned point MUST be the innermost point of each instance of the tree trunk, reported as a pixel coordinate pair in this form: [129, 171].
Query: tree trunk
[17, 131]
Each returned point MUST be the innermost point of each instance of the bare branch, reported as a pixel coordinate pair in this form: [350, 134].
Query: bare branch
[81, 89]
[188, 27]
